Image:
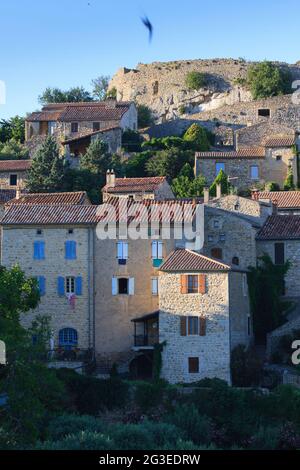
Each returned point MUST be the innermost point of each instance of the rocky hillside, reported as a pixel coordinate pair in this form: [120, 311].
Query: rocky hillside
[161, 86]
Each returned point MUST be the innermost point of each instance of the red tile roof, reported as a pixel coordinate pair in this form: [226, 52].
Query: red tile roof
[6, 195]
[187, 260]
[15, 165]
[280, 227]
[280, 141]
[132, 185]
[243, 153]
[283, 199]
[88, 111]
[75, 198]
[90, 134]
[30, 214]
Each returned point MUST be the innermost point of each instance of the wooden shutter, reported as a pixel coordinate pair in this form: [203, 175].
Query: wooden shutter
[184, 284]
[183, 326]
[114, 286]
[202, 326]
[131, 286]
[202, 283]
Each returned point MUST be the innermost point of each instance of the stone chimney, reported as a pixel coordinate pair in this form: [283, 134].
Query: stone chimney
[108, 177]
[206, 194]
[254, 194]
[111, 103]
[18, 192]
[112, 179]
[219, 191]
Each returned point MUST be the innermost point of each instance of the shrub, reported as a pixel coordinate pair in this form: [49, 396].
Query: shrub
[196, 427]
[145, 118]
[266, 438]
[197, 138]
[131, 437]
[148, 395]
[288, 184]
[272, 186]
[181, 109]
[195, 80]
[83, 440]
[64, 425]
[131, 141]
[163, 433]
[245, 367]
[266, 79]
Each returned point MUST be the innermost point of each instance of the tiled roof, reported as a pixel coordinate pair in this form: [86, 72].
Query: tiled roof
[6, 195]
[283, 199]
[76, 198]
[88, 111]
[187, 260]
[90, 134]
[15, 165]
[244, 153]
[131, 185]
[280, 227]
[28, 214]
[280, 141]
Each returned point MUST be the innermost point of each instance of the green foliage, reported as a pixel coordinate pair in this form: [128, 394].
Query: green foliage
[195, 427]
[184, 187]
[288, 184]
[266, 79]
[100, 86]
[195, 80]
[135, 166]
[148, 394]
[197, 137]
[12, 129]
[56, 95]
[157, 360]
[272, 186]
[145, 118]
[112, 93]
[246, 367]
[47, 170]
[181, 110]
[13, 150]
[96, 159]
[222, 179]
[64, 425]
[83, 440]
[164, 143]
[265, 287]
[131, 141]
[168, 162]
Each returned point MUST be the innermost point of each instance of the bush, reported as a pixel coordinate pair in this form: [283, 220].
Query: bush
[162, 433]
[64, 425]
[266, 438]
[266, 79]
[181, 109]
[148, 395]
[272, 186]
[246, 368]
[197, 138]
[196, 428]
[289, 181]
[83, 440]
[195, 80]
[131, 437]
[145, 118]
[131, 141]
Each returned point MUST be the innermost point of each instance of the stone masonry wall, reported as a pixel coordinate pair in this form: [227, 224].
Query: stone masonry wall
[5, 179]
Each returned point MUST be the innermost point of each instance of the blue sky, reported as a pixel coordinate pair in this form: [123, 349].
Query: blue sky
[64, 43]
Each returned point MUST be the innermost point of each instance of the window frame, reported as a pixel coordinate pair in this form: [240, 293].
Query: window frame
[154, 286]
[193, 363]
[192, 325]
[256, 178]
[15, 175]
[70, 285]
[76, 126]
[192, 284]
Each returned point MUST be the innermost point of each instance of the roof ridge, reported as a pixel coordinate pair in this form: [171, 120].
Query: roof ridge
[209, 258]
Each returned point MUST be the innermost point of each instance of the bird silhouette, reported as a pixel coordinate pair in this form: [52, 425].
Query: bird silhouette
[148, 25]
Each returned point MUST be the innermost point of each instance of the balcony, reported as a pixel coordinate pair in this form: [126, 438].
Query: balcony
[146, 331]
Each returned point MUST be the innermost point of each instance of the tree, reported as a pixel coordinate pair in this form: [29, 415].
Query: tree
[56, 95]
[48, 168]
[289, 181]
[145, 118]
[169, 162]
[266, 79]
[96, 159]
[14, 128]
[197, 137]
[195, 80]
[100, 86]
[13, 150]
[131, 141]
[220, 179]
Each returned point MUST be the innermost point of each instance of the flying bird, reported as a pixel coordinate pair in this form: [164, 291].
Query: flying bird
[149, 26]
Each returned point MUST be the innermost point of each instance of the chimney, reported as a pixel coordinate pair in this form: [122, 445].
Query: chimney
[274, 207]
[219, 191]
[108, 177]
[112, 179]
[18, 192]
[206, 194]
[111, 103]
[254, 194]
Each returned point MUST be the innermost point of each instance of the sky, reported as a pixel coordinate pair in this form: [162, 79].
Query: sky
[65, 43]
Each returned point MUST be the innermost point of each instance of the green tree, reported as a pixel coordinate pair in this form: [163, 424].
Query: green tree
[222, 179]
[195, 80]
[289, 181]
[184, 187]
[266, 79]
[13, 150]
[56, 95]
[48, 168]
[131, 141]
[197, 138]
[100, 86]
[168, 162]
[97, 158]
[145, 118]
[13, 128]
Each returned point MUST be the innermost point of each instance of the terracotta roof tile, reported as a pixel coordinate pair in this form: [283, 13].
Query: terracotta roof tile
[74, 198]
[6, 195]
[90, 134]
[280, 227]
[187, 260]
[280, 141]
[243, 153]
[283, 199]
[131, 185]
[15, 165]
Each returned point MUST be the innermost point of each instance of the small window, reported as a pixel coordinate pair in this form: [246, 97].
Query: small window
[74, 127]
[157, 253]
[193, 326]
[96, 126]
[216, 253]
[193, 365]
[219, 167]
[254, 173]
[13, 180]
[265, 112]
[222, 237]
[70, 285]
[154, 285]
[235, 261]
[68, 338]
[216, 224]
[210, 238]
[123, 285]
[70, 231]
[122, 252]
[39, 231]
[278, 158]
[279, 253]
[237, 206]
[192, 284]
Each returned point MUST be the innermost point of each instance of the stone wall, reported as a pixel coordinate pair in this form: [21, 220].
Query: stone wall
[240, 310]
[253, 135]
[243, 205]
[5, 179]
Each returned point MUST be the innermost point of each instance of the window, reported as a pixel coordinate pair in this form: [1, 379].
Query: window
[279, 253]
[96, 126]
[219, 167]
[235, 260]
[192, 284]
[122, 252]
[193, 365]
[265, 112]
[70, 285]
[154, 285]
[254, 173]
[68, 338]
[193, 326]
[216, 253]
[278, 158]
[13, 180]
[51, 127]
[122, 286]
[210, 238]
[39, 231]
[39, 250]
[157, 253]
[70, 250]
[74, 127]
[70, 231]
[222, 237]
[216, 223]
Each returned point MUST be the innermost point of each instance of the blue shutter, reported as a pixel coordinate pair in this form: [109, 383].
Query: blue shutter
[39, 250]
[70, 249]
[42, 250]
[78, 285]
[61, 286]
[42, 285]
[73, 250]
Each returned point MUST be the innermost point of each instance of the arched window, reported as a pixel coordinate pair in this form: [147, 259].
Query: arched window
[68, 338]
[235, 260]
[216, 253]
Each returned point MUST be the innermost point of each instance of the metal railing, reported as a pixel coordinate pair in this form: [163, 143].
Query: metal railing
[145, 340]
[70, 355]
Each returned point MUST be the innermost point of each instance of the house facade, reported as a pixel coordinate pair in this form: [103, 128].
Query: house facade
[13, 173]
